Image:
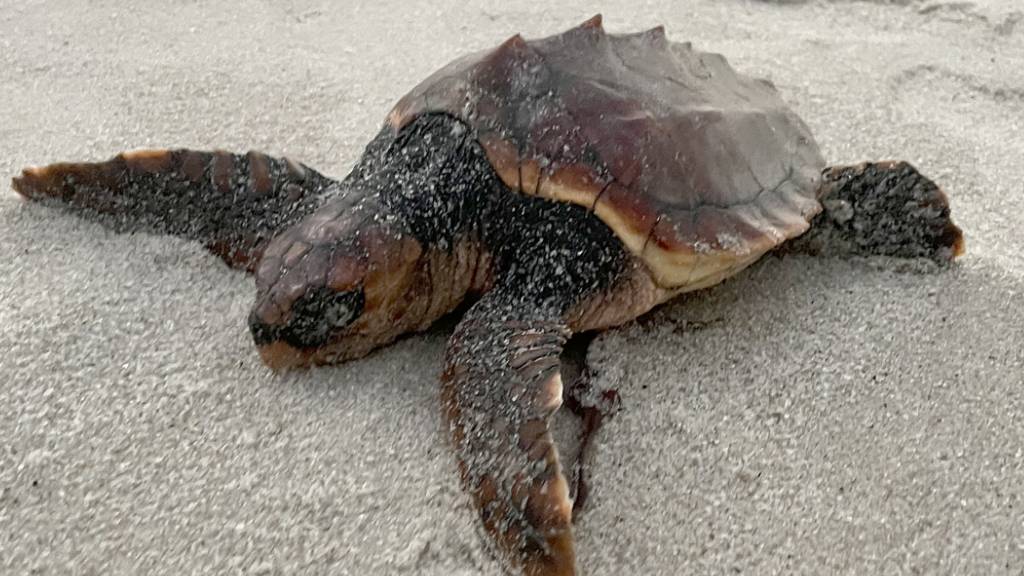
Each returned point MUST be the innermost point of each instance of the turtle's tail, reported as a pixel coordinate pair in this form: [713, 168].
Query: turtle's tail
[231, 203]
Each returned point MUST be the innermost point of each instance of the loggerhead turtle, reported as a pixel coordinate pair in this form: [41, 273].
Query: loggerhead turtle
[565, 184]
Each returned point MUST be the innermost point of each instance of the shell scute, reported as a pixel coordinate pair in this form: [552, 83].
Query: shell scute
[697, 168]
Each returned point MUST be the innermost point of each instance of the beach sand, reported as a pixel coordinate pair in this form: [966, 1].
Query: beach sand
[810, 416]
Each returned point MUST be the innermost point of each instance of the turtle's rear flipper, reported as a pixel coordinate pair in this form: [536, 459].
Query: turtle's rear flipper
[500, 387]
[231, 203]
[882, 208]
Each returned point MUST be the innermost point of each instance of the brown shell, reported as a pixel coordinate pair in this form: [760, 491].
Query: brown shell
[698, 169]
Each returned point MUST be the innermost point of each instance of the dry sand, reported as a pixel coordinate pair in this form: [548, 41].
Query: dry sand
[810, 416]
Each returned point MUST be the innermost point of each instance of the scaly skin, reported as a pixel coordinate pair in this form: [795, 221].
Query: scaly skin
[882, 208]
[232, 203]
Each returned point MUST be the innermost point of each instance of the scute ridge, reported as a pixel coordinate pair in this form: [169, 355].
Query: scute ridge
[595, 22]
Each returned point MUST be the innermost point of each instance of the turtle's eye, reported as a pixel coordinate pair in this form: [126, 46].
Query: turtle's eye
[315, 317]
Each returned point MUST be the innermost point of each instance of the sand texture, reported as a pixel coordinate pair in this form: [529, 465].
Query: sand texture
[810, 416]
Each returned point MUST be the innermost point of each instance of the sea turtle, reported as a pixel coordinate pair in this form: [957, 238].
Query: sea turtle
[561, 185]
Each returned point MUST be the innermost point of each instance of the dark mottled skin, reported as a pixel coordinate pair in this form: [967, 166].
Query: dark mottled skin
[232, 203]
[435, 178]
[882, 208]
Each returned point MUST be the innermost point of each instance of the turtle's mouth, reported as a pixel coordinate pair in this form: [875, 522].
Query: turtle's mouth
[280, 356]
[315, 319]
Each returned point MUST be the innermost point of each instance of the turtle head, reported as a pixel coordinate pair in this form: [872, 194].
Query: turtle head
[326, 297]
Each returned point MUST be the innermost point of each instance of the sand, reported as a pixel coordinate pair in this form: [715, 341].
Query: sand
[810, 416]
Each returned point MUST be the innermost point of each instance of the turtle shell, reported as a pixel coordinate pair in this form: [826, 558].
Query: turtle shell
[698, 169]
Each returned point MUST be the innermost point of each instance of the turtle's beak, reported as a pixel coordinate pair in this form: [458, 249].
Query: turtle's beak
[281, 357]
[311, 332]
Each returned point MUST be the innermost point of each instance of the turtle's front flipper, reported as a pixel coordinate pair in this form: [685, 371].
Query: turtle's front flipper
[231, 203]
[500, 387]
[882, 208]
